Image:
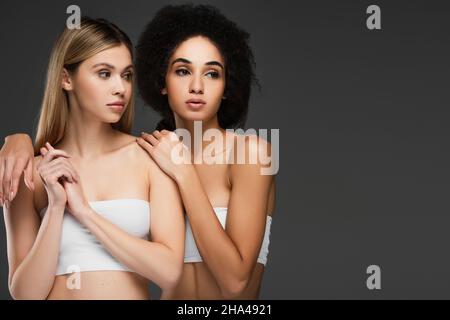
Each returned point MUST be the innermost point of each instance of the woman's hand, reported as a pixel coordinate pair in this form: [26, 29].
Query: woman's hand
[16, 156]
[76, 202]
[55, 170]
[166, 149]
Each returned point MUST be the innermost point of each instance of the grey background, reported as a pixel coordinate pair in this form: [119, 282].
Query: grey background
[363, 118]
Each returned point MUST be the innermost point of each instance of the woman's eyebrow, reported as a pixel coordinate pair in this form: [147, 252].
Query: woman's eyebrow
[214, 63]
[110, 66]
[183, 60]
[210, 63]
[103, 64]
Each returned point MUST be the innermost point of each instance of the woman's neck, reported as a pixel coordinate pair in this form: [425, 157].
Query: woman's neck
[87, 137]
[196, 130]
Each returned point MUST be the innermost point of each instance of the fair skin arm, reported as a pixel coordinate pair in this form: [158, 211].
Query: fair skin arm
[160, 260]
[33, 245]
[16, 156]
[230, 254]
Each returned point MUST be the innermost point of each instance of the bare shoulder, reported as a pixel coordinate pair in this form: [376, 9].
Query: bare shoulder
[256, 173]
[133, 151]
[256, 143]
[251, 148]
[136, 151]
[252, 160]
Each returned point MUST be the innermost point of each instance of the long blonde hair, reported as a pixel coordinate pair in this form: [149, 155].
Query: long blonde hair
[72, 47]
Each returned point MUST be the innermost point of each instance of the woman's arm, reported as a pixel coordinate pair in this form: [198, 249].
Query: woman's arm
[230, 254]
[16, 156]
[159, 260]
[32, 245]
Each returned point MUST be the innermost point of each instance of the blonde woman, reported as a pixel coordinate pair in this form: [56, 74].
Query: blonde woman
[84, 228]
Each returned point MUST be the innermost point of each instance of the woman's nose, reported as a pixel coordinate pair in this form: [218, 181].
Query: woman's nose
[196, 85]
[119, 87]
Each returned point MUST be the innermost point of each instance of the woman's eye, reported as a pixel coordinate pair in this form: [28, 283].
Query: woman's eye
[104, 74]
[128, 76]
[182, 72]
[213, 74]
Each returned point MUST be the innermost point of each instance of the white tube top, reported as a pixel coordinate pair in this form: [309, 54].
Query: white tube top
[81, 251]
[191, 253]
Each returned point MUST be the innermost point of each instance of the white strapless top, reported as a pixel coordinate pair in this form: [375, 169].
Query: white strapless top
[81, 251]
[191, 253]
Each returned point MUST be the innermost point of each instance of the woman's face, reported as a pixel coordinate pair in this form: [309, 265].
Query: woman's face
[195, 80]
[102, 85]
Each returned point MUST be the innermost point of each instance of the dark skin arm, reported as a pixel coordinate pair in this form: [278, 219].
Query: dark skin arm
[229, 253]
[16, 157]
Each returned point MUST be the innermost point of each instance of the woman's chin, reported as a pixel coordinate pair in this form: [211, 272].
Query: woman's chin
[195, 116]
[112, 118]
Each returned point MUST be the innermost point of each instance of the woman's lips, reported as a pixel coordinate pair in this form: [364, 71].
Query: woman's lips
[117, 106]
[195, 104]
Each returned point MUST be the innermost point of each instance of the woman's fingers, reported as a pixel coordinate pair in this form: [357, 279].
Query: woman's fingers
[62, 163]
[68, 166]
[150, 139]
[164, 132]
[6, 182]
[54, 159]
[157, 134]
[49, 153]
[62, 172]
[11, 169]
[53, 174]
[145, 145]
[19, 167]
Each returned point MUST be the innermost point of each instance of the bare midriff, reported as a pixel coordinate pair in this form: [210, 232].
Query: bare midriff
[101, 285]
[197, 282]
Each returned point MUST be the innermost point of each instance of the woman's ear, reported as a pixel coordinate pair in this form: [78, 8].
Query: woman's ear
[66, 81]
[164, 91]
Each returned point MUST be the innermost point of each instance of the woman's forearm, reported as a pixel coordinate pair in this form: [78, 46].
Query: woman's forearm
[34, 277]
[152, 260]
[216, 247]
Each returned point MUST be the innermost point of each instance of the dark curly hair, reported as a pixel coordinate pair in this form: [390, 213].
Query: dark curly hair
[170, 27]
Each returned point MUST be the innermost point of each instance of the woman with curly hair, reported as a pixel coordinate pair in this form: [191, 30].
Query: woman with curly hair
[195, 66]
